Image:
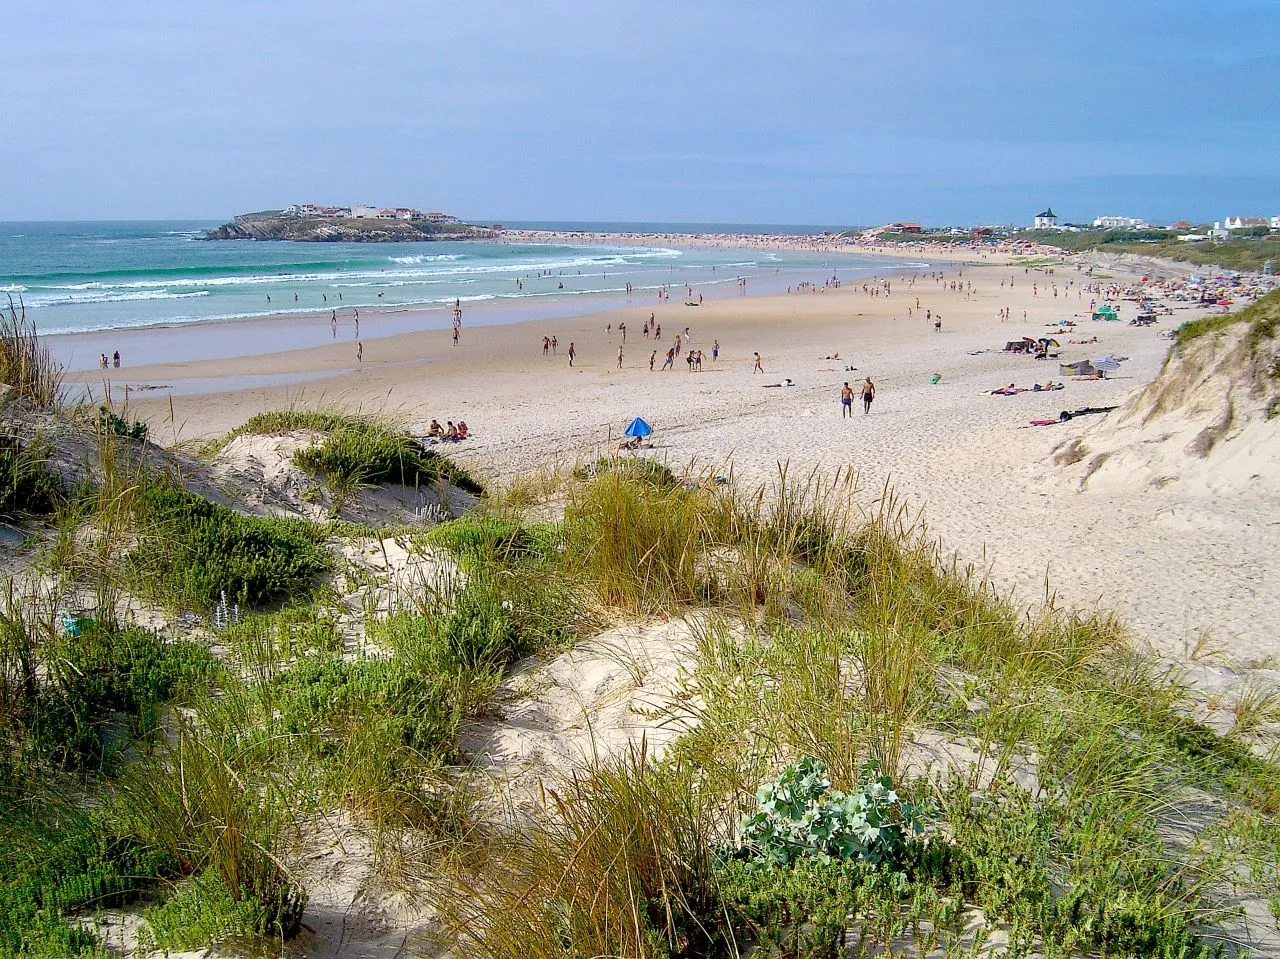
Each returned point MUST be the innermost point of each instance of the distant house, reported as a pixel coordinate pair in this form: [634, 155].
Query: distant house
[1048, 220]
[385, 214]
[1180, 225]
[435, 216]
[1244, 222]
[1275, 223]
[1118, 222]
[308, 209]
[906, 228]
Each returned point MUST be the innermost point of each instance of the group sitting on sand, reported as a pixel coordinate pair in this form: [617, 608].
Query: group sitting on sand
[449, 433]
[1012, 389]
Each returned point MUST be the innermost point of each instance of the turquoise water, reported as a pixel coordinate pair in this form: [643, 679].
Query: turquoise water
[90, 276]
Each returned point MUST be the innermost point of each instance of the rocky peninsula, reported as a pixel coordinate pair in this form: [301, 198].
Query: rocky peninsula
[343, 230]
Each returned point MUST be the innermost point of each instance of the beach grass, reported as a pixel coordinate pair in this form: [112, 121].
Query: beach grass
[1074, 800]
[26, 366]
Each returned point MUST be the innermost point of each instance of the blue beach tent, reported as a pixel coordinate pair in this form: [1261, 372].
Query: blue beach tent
[638, 428]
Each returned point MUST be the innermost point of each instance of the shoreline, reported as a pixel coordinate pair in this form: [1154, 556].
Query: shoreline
[199, 341]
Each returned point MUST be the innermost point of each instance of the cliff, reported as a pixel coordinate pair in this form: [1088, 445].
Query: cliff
[344, 230]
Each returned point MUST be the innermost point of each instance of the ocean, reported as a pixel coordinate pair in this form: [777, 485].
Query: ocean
[87, 277]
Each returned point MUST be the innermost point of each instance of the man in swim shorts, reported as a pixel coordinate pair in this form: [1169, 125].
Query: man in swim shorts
[868, 394]
[846, 401]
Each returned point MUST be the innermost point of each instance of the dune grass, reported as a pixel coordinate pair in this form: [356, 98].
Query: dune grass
[1064, 772]
[25, 365]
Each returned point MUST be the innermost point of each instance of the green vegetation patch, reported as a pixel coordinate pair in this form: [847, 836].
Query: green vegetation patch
[26, 484]
[71, 691]
[191, 550]
[1263, 318]
[377, 455]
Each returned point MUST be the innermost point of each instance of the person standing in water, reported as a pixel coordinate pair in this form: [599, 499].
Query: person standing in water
[846, 401]
[868, 394]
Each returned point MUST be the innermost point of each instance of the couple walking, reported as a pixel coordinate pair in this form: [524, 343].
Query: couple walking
[846, 398]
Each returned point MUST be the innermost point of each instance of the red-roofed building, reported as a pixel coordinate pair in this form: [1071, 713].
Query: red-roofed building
[906, 228]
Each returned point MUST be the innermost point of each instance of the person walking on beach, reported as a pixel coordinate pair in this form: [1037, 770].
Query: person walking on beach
[619, 357]
[359, 352]
[115, 359]
[868, 394]
[572, 352]
[555, 345]
[671, 355]
[546, 345]
[715, 350]
[652, 356]
[759, 367]
[846, 401]
[937, 323]
[455, 336]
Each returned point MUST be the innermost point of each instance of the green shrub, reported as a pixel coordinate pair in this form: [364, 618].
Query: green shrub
[801, 816]
[378, 455]
[638, 468]
[477, 540]
[59, 857]
[108, 420]
[202, 912]
[193, 551]
[26, 484]
[319, 698]
[101, 676]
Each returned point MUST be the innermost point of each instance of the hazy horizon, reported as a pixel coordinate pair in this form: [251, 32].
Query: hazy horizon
[620, 111]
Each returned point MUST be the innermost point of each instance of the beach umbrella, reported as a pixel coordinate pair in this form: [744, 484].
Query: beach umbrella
[637, 428]
[1108, 364]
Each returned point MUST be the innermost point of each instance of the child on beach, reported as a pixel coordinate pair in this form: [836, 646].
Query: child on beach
[759, 367]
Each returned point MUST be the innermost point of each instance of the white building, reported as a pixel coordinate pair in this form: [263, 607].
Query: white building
[364, 209]
[1048, 220]
[1119, 222]
[1244, 222]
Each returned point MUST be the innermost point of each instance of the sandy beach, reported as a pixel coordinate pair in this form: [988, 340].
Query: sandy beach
[1183, 570]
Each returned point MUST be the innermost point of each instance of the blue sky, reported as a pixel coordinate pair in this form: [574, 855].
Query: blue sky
[824, 112]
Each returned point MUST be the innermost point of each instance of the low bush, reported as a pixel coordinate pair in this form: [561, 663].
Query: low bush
[26, 484]
[191, 550]
[642, 469]
[202, 912]
[211, 800]
[375, 454]
[802, 817]
[100, 678]
[113, 423]
[477, 540]
[60, 857]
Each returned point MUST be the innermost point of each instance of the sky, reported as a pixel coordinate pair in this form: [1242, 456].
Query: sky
[744, 111]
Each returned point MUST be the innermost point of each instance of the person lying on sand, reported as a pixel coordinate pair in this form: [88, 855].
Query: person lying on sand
[1050, 385]
[786, 382]
[1009, 390]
